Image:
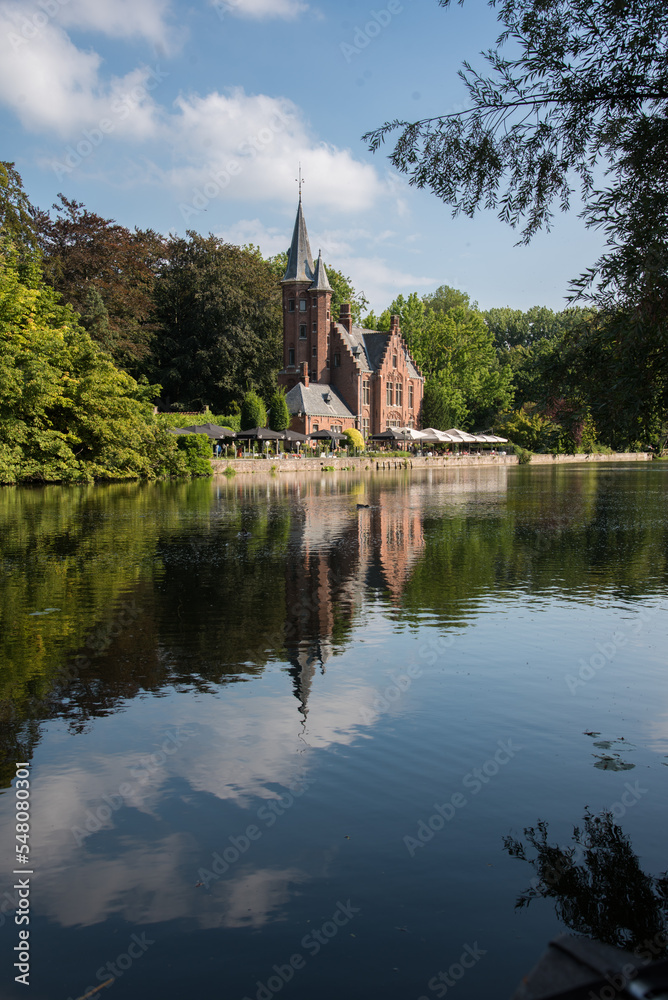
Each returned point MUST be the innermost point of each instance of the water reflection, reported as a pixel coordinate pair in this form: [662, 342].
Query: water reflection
[197, 585]
[597, 884]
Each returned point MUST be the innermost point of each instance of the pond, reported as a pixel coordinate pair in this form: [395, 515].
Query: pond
[314, 736]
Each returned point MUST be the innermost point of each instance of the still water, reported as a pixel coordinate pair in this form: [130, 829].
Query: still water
[282, 745]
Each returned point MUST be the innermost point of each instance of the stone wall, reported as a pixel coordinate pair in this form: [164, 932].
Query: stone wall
[261, 465]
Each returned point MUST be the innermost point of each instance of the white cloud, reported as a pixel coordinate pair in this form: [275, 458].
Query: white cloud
[239, 145]
[260, 9]
[121, 19]
[381, 282]
[269, 239]
[53, 86]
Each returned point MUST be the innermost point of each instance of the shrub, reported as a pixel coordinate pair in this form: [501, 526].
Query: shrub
[354, 438]
[197, 449]
[279, 417]
[253, 412]
[524, 456]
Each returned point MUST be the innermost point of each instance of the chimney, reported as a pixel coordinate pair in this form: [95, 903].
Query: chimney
[345, 318]
[394, 325]
[304, 372]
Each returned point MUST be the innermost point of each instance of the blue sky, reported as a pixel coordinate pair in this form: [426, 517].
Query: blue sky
[176, 116]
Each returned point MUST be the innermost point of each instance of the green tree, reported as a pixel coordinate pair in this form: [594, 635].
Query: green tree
[253, 412]
[279, 415]
[66, 412]
[17, 215]
[218, 308]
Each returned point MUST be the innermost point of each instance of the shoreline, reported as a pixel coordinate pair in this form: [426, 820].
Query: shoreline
[253, 466]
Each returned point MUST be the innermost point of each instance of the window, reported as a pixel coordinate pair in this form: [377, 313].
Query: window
[291, 305]
[337, 360]
[291, 355]
[302, 305]
[389, 394]
[398, 389]
[315, 352]
[365, 428]
[302, 331]
[365, 392]
[337, 428]
[315, 327]
[327, 363]
[314, 375]
[394, 361]
[328, 314]
[410, 396]
[314, 428]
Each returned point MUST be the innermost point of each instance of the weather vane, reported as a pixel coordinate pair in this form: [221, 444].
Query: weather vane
[300, 181]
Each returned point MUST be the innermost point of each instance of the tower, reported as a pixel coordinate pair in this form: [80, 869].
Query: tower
[307, 299]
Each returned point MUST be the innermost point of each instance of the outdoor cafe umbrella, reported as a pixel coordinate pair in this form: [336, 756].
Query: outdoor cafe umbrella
[326, 435]
[260, 434]
[294, 436]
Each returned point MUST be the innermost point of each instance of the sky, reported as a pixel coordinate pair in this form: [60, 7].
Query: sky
[170, 115]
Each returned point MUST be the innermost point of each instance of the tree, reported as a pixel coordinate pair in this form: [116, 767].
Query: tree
[107, 273]
[253, 412]
[17, 215]
[279, 415]
[218, 309]
[66, 412]
[597, 885]
[584, 90]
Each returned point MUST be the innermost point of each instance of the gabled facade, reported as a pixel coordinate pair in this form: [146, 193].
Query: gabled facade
[339, 375]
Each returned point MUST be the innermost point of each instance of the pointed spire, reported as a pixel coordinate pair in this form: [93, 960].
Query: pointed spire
[300, 261]
[321, 281]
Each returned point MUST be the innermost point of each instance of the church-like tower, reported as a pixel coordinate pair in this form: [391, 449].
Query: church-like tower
[307, 299]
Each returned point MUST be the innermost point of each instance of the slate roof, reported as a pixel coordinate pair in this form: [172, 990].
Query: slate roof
[371, 347]
[321, 281]
[300, 262]
[310, 399]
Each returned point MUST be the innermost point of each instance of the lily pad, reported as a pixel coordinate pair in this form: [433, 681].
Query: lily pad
[606, 763]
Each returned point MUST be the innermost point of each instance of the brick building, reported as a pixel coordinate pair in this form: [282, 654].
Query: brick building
[339, 375]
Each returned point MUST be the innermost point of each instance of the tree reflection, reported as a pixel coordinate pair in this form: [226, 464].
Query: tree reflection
[597, 884]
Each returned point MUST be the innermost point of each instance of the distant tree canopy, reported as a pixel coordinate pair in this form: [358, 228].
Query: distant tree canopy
[218, 310]
[105, 272]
